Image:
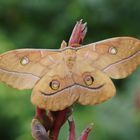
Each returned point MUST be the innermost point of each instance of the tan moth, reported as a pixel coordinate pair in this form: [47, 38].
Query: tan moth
[62, 77]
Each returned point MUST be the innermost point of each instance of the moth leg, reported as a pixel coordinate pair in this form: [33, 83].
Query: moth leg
[85, 133]
[72, 131]
[38, 131]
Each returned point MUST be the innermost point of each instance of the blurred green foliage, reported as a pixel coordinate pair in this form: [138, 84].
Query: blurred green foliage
[44, 24]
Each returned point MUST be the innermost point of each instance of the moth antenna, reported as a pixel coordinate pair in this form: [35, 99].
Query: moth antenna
[63, 44]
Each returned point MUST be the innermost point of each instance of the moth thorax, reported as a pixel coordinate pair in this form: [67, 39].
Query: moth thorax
[70, 58]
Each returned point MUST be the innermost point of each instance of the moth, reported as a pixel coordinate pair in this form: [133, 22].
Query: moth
[62, 77]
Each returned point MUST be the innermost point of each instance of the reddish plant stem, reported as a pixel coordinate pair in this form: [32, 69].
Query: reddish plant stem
[45, 120]
[85, 133]
[72, 133]
[60, 118]
[78, 34]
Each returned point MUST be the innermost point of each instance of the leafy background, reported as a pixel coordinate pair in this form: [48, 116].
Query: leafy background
[44, 24]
